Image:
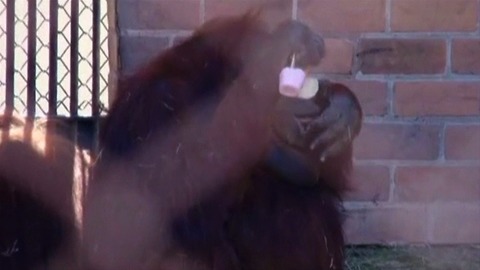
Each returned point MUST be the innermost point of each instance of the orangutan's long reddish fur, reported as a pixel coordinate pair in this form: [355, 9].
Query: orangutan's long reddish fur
[183, 144]
[43, 177]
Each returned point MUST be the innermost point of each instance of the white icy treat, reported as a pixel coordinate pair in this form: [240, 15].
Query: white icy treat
[291, 81]
[309, 88]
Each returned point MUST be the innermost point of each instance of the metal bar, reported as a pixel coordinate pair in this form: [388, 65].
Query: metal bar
[31, 62]
[113, 49]
[74, 59]
[10, 69]
[96, 58]
[53, 54]
[96, 71]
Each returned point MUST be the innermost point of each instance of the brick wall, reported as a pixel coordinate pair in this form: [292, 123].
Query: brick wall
[415, 65]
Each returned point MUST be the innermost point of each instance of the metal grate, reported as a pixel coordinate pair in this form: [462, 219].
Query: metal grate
[54, 57]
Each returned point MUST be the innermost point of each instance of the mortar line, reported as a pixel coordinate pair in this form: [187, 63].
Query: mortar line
[420, 77]
[354, 205]
[478, 17]
[153, 33]
[372, 35]
[418, 35]
[388, 16]
[356, 63]
[424, 120]
[393, 183]
[295, 9]
[391, 98]
[441, 148]
[418, 163]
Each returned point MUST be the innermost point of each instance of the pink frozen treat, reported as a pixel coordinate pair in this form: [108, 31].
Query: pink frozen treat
[291, 81]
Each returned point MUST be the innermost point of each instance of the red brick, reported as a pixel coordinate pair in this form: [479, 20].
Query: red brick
[398, 142]
[338, 57]
[274, 11]
[437, 98]
[462, 142]
[436, 183]
[434, 15]
[159, 14]
[369, 183]
[372, 96]
[466, 56]
[456, 223]
[386, 225]
[136, 51]
[343, 15]
[402, 56]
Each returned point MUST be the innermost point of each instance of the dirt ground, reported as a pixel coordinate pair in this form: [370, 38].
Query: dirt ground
[417, 258]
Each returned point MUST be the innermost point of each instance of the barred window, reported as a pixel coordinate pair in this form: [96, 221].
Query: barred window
[68, 77]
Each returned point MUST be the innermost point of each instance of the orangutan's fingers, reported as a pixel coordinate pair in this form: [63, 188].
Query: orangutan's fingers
[336, 147]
